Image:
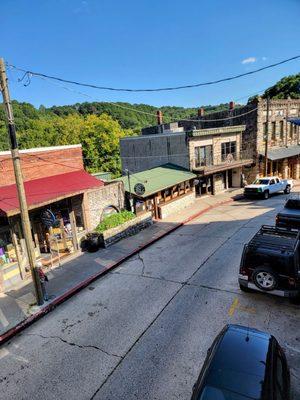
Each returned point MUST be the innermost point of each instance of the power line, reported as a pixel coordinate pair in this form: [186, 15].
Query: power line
[230, 78]
[154, 115]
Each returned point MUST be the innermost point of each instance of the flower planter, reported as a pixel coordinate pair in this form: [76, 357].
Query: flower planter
[129, 228]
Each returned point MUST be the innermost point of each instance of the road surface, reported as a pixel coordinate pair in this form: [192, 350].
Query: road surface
[142, 331]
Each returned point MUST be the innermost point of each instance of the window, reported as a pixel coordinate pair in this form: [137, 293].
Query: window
[203, 156]
[281, 124]
[228, 148]
[265, 130]
[272, 182]
[274, 130]
[279, 112]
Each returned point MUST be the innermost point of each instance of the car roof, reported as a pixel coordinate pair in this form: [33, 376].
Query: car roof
[240, 361]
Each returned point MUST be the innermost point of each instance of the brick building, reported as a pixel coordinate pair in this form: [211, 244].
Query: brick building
[57, 190]
[41, 162]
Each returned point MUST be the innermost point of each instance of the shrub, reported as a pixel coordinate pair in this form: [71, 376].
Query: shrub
[113, 220]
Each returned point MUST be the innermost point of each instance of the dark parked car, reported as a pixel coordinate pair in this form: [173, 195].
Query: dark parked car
[270, 262]
[289, 217]
[243, 364]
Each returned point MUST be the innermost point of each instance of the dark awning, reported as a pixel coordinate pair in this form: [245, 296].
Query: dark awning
[282, 152]
[295, 121]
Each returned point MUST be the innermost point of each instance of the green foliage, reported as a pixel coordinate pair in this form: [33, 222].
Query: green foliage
[114, 220]
[289, 86]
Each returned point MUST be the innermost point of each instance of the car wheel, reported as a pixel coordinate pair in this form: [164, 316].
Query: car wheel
[265, 278]
[266, 195]
[287, 190]
[246, 289]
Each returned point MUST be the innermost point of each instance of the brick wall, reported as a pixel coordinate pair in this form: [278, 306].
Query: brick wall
[96, 200]
[41, 162]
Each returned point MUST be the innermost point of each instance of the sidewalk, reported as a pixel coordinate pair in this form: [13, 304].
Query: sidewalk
[17, 309]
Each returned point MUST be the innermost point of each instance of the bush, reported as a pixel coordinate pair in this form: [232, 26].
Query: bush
[113, 220]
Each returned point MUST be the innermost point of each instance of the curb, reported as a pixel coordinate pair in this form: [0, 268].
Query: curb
[69, 293]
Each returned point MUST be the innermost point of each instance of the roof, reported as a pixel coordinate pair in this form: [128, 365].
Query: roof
[282, 152]
[239, 363]
[41, 149]
[47, 190]
[158, 178]
[218, 131]
[295, 121]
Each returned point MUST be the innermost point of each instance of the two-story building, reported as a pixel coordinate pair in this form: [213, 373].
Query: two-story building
[215, 155]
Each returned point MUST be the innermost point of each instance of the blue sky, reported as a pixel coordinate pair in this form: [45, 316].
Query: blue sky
[148, 44]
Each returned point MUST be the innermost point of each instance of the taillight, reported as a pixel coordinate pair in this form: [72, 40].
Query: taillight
[244, 271]
[292, 281]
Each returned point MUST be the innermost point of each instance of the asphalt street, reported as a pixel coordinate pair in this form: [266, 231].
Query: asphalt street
[143, 330]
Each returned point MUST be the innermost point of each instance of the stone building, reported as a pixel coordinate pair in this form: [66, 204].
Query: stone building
[283, 133]
[215, 155]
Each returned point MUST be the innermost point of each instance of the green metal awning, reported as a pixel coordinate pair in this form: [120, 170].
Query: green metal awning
[282, 152]
[157, 179]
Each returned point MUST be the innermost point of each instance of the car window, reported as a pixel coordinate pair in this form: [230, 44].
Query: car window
[213, 393]
[272, 182]
[261, 182]
[277, 180]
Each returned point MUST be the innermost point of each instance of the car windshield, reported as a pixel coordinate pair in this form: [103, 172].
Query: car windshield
[213, 393]
[261, 182]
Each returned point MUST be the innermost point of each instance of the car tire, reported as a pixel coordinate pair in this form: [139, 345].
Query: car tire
[287, 190]
[265, 278]
[246, 289]
[266, 195]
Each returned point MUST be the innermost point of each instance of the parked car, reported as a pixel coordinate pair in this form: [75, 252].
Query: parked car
[270, 262]
[289, 217]
[242, 364]
[264, 187]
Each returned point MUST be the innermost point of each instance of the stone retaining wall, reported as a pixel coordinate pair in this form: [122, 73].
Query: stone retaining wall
[129, 228]
[176, 205]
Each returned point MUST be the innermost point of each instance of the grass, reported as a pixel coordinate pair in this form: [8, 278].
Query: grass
[114, 220]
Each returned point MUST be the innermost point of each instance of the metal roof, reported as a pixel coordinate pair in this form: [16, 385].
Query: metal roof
[158, 178]
[282, 152]
[47, 190]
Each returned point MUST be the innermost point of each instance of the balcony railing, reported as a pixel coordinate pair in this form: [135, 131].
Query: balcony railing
[222, 160]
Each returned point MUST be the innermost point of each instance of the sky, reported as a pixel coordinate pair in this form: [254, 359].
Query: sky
[157, 43]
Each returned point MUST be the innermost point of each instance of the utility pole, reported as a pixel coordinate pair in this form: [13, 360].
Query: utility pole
[19, 182]
[129, 187]
[266, 134]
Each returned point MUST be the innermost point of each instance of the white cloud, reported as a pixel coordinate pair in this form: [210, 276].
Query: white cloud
[249, 60]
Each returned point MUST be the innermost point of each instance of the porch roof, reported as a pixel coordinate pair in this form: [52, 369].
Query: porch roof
[157, 179]
[282, 152]
[43, 191]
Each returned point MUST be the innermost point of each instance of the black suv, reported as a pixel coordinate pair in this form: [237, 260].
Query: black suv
[270, 262]
[289, 216]
[242, 364]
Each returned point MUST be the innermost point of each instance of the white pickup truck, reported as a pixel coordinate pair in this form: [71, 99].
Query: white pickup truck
[268, 185]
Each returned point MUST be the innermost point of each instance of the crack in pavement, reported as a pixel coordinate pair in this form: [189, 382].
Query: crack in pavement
[143, 263]
[88, 346]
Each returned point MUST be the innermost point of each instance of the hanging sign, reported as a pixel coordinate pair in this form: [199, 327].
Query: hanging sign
[139, 189]
[48, 218]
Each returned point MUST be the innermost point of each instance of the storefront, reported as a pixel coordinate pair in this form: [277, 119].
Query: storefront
[282, 161]
[161, 190]
[58, 219]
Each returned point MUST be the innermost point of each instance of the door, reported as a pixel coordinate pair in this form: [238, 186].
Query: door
[272, 186]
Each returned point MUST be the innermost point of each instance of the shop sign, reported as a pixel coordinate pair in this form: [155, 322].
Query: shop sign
[48, 218]
[139, 189]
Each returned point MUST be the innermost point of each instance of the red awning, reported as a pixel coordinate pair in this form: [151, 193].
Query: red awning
[46, 190]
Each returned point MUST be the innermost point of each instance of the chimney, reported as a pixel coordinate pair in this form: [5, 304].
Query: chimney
[159, 117]
[231, 105]
[200, 112]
